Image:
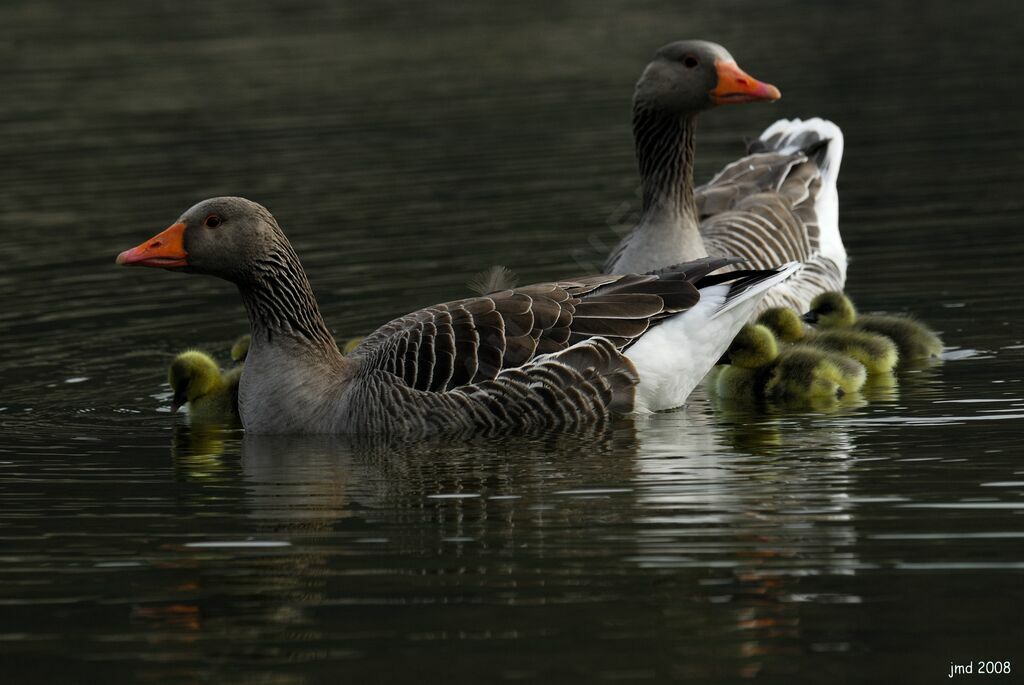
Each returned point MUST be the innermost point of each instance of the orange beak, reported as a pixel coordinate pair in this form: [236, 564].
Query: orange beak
[166, 250]
[736, 86]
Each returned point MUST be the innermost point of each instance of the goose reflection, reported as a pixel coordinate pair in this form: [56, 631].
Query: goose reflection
[712, 506]
[741, 504]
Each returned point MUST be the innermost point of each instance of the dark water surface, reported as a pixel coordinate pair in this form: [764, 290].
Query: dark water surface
[403, 149]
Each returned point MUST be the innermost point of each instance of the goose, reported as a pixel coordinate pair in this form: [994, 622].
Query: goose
[758, 370]
[493, 279]
[877, 353]
[550, 355]
[197, 381]
[777, 204]
[834, 311]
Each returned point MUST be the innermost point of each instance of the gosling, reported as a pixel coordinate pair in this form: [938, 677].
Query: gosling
[877, 353]
[914, 340]
[757, 370]
[240, 350]
[785, 323]
[196, 380]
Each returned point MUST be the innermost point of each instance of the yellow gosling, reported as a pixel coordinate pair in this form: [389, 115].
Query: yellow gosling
[804, 374]
[875, 352]
[240, 349]
[351, 344]
[196, 380]
[757, 370]
[914, 339]
[785, 323]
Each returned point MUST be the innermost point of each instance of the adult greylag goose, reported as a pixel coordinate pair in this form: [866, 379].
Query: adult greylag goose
[778, 204]
[558, 354]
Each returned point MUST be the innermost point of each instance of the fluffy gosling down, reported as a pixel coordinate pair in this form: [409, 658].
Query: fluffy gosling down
[914, 340]
[196, 380]
[240, 349]
[757, 370]
[877, 353]
[785, 323]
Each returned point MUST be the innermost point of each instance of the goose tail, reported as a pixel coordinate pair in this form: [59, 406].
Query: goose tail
[820, 139]
[755, 285]
[673, 357]
[822, 142]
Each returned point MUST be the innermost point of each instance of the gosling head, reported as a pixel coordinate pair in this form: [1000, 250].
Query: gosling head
[193, 374]
[240, 350]
[753, 347]
[228, 237]
[831, 310]
[689, 76]
[784, 322]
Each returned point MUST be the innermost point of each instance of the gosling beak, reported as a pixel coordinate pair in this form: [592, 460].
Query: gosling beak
[735, 86]
[180, 398]
[810, 317]
[165, 250]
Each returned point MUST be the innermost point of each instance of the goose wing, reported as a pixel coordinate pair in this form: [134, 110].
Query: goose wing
[761, 208]
[779, 203]
[472, 340]
[580, 386]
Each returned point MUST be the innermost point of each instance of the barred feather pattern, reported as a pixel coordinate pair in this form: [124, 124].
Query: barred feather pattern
[761, 208]
[549, 355]
[468, 341]
[581, 386]
[665, 145]
[279, 298]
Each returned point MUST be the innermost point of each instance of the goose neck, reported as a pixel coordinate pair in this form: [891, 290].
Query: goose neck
[281, 304]
[665, 153]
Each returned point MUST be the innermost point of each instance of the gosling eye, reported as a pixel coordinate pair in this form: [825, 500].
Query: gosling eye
[212, 221]
[690, 62]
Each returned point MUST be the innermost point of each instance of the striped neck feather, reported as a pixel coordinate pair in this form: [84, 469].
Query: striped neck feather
[280, 301]
[664, 153]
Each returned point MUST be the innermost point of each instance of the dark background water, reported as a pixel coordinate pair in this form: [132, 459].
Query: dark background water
[405, 147]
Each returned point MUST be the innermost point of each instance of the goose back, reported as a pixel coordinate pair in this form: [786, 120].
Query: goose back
[446, 346]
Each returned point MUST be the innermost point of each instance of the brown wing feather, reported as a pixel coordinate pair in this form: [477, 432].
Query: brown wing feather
[469, 341]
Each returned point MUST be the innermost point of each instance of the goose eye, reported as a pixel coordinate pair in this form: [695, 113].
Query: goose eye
[690, 62]
[212, 221]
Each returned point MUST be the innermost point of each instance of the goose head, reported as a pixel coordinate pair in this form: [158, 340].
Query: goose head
[831, 310]
[193, 374]
[222, 236]
[753, 347]
[238, 240]
[784, 322]
[689, 76]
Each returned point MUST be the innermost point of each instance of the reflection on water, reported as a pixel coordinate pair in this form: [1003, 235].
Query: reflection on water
[714, 544]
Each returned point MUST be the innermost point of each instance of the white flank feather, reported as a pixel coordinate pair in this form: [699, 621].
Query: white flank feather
[676, 355]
